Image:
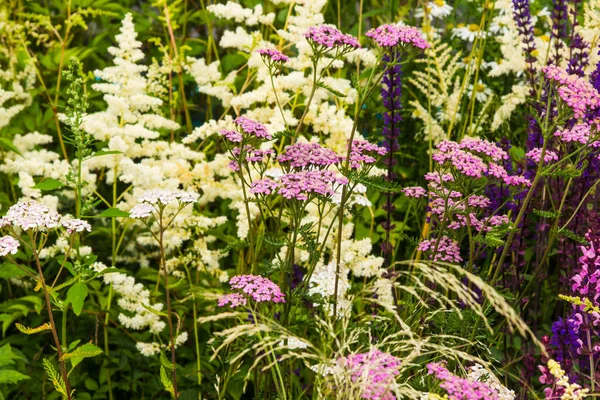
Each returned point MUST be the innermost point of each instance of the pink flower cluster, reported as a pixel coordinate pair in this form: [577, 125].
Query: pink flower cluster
[389, 35]
[330, 37]
[307, 155]
[273, 55]
[414, 191]
[536, 153]
[254, 287]
[460, 156]
[232, 136]
[252, 127]
[461, 388]
[577, 92]
[233, 299]
[251, 155]
[578, 133]
[376, 371]
[447, 250]
[263, 186]
[364, 152]
[30, 215]
[301, 185]
[8, 245]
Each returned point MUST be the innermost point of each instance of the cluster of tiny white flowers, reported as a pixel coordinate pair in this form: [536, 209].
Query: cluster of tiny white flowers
[75, 225]
[30, 215]
[153, 348]
[8, 245]
[478, 373]
[133, 299]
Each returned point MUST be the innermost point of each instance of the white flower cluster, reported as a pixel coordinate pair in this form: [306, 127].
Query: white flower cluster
[238, 13]
[75, 225]
[8, 245]
[478, 373]
[30, 215]
[153, 348]
[133, 299]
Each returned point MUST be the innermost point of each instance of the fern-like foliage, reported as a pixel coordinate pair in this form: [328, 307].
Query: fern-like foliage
[56, 379]
[30, 331]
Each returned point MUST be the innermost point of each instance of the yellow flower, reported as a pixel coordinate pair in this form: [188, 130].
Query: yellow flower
[473, 27]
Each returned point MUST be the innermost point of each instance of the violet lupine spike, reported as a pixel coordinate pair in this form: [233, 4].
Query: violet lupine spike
[595, 76]
[560, 20]
[579, 56]
[391, 94]
[522, 16]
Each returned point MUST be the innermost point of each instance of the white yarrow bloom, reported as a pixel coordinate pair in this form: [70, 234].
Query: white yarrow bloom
[31, 215]
[141, 211]
[75, 225]
[8, 244]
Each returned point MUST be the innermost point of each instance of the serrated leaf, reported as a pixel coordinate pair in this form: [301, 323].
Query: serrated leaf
[573, 236]
[330, 89]
[240, 244]
[55, 378]
[113, 213]
[76, 296]
[7, 356]
[165, 362]
[87, 350]
[48, 184]
[546, 214]
[168, 385]
[30, 331]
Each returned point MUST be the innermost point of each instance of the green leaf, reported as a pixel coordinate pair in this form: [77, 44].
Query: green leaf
[166, 381]
[105, 152]
[76, 296]
[48, 184]
[8, 145]
[87, 350]
[7, 356]
[113, 213]
[9, 376]
[165, 362]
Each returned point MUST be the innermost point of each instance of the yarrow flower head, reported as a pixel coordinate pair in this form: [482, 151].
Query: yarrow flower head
[414, 191]
[143, 210]
[8, 245]
[577, 92]
[447, 250]
[301, 185]
[165, 197]
[273, 56]
[76, 225]
[389, 35]
[253, 128]
[364, 152]
[461, 388]
[308, 156]
[581, 133]
[375, 371]
[263, 186]
[254, 287]
[329, 37]
[251, 155]
[536, 153]
[30, 215]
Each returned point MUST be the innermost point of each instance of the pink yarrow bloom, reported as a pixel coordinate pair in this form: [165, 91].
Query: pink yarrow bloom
[577, 92]
[308, 155]
[447, 250]
[375, 372]
[414, 191]
[257, 288]
[253, 128]
[76, 225]
[330, 37]
[461, 388]
[536, 153]
[233, 299]
[8, 245]
[364, 152]
[273, 55]
[263, 186]
[580, 133]
[301, 185]
[389, 35]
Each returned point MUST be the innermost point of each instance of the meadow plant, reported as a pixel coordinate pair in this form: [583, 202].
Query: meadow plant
[300, 199]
